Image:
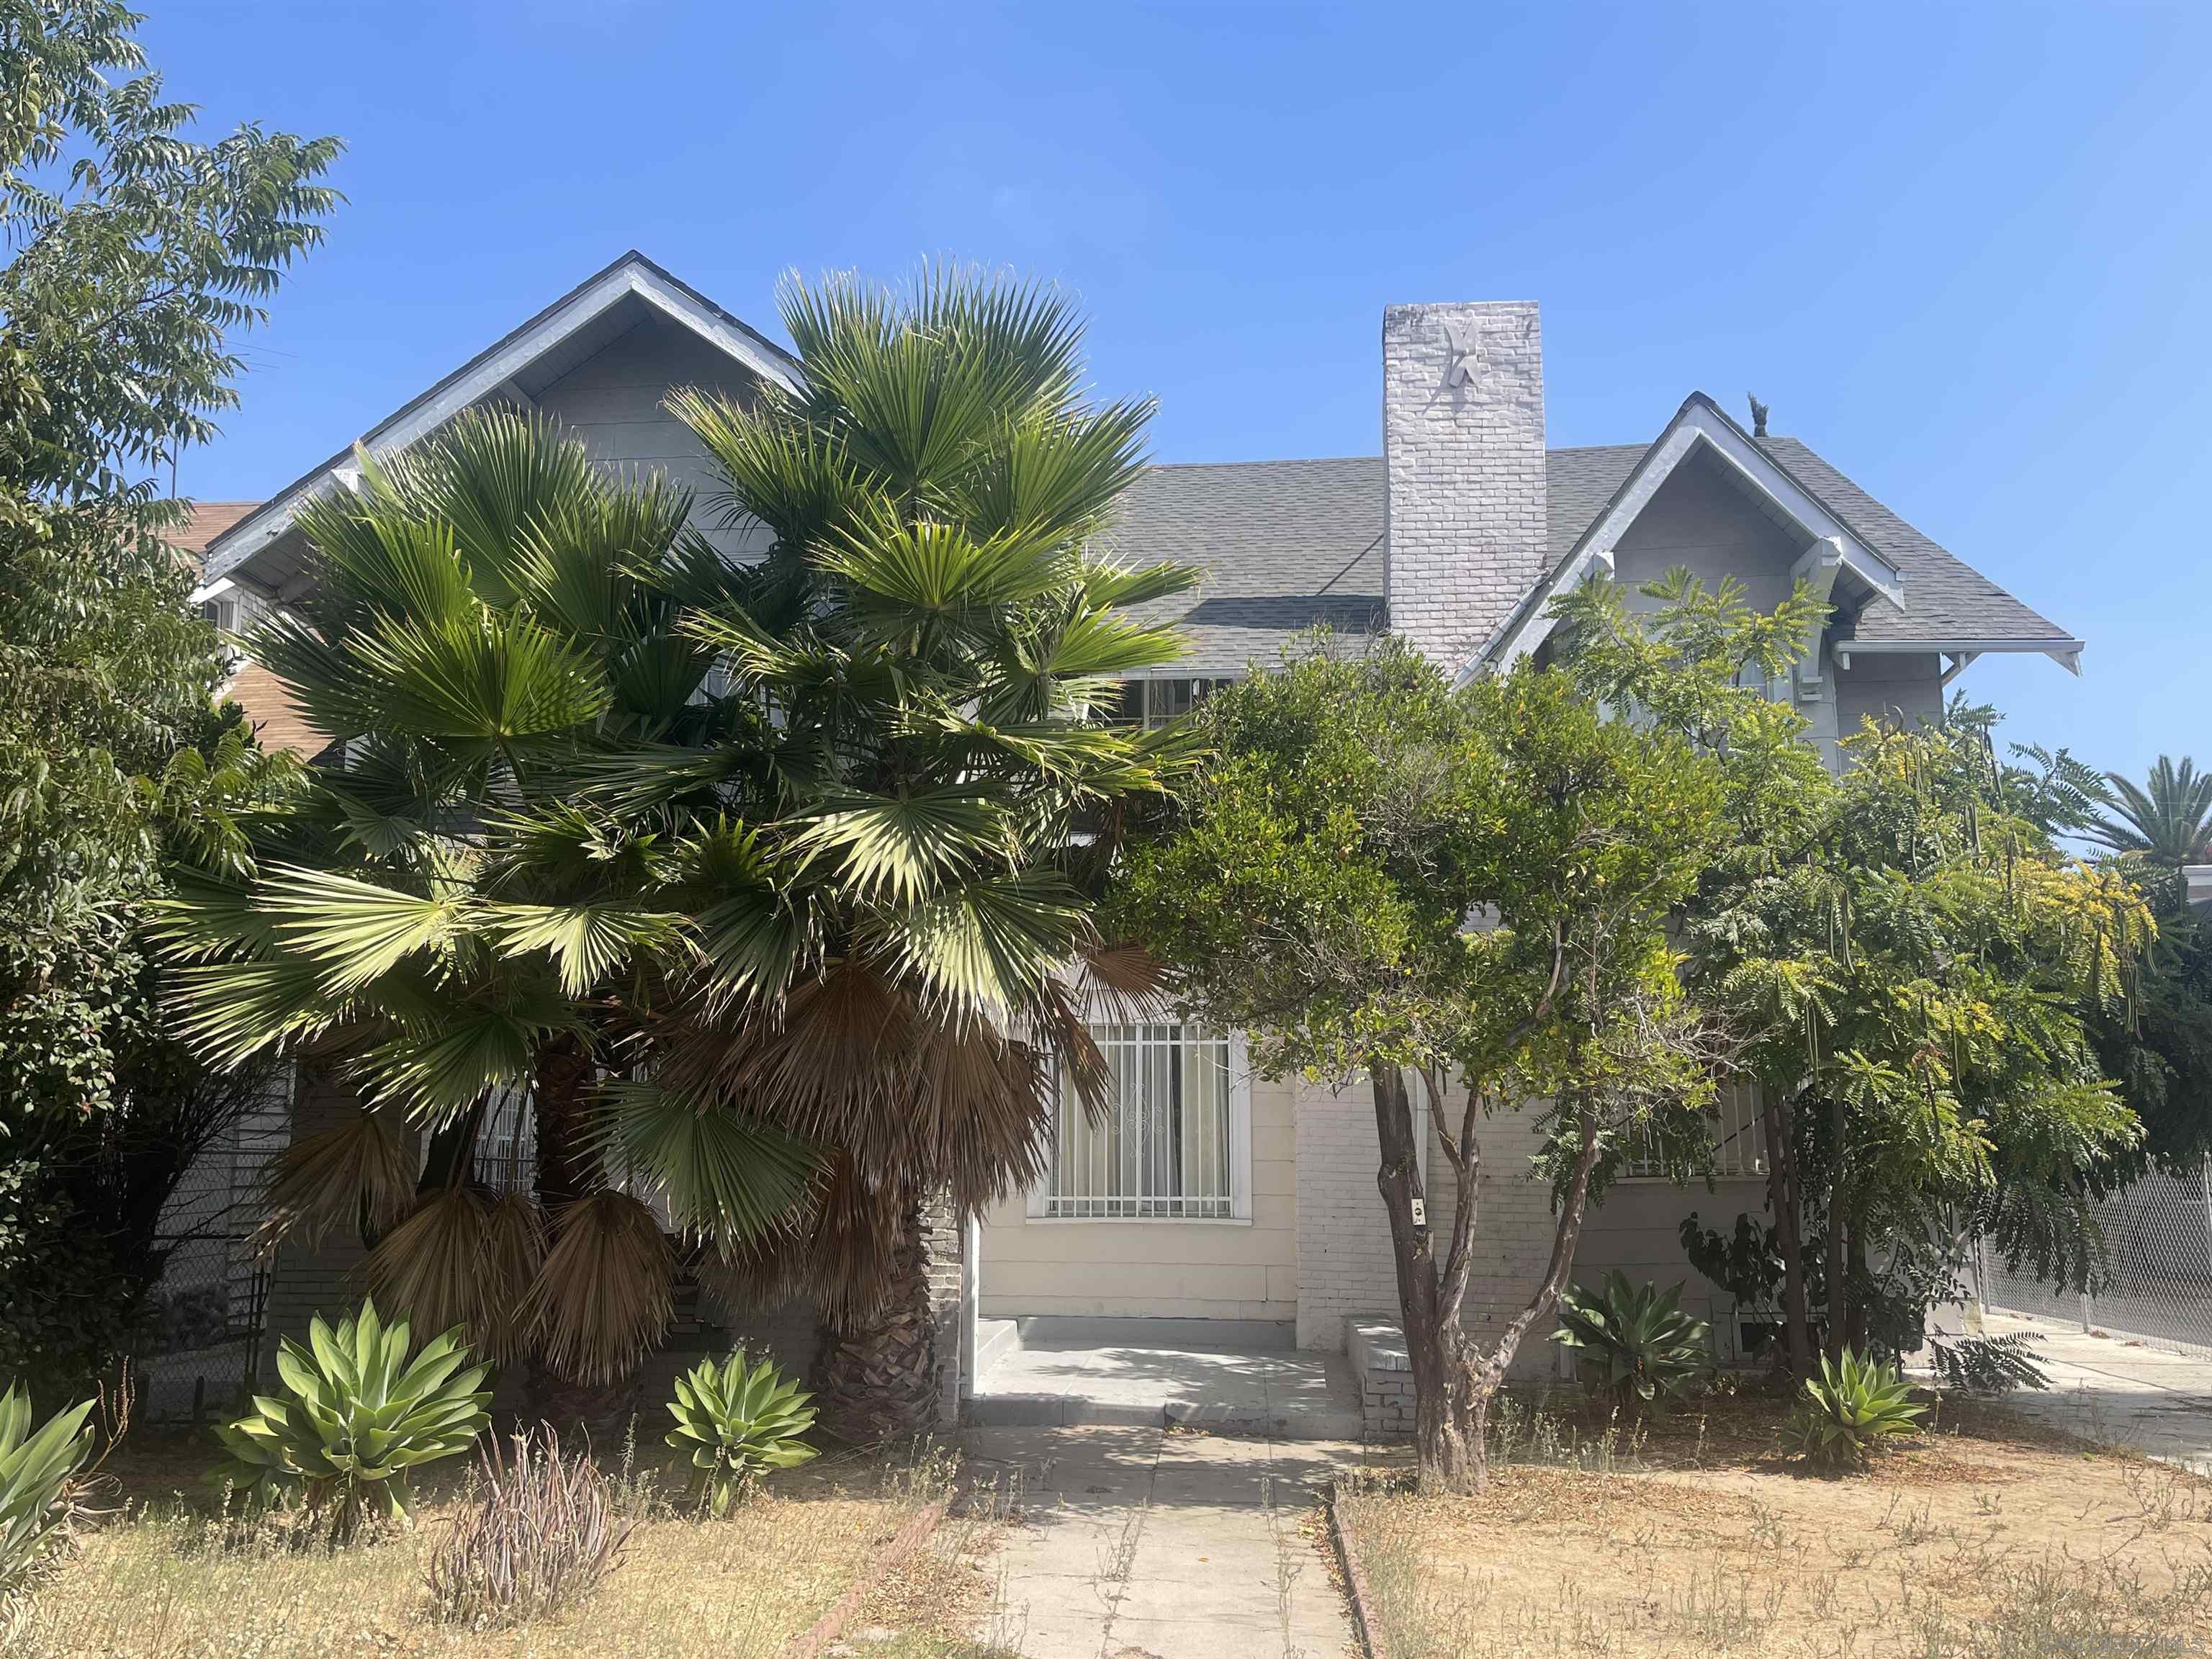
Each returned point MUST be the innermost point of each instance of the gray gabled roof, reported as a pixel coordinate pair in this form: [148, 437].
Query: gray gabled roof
[1288, 545]
[1945, 597]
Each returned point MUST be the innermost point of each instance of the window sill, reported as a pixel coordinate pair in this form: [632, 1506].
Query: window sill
[1137, 1220]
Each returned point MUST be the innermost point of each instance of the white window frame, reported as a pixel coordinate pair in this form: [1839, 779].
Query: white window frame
[1037, 1205]
[1739, 1140]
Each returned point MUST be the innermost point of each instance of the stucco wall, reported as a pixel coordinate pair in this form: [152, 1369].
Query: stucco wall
[1159, 1269]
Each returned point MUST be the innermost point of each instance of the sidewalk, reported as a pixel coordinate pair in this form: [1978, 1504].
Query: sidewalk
[2114, 1392]
[1144, 1543]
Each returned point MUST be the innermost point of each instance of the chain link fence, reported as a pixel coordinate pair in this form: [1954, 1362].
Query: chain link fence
[2156, 1282]
[209, 1311]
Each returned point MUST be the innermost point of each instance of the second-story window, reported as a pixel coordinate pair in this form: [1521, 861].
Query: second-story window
[1154, 703]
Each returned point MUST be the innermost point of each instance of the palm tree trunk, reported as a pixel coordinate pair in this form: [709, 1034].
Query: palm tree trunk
[878, 1377]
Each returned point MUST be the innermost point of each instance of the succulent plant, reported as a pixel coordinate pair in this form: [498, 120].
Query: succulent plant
[1846, 1412]
[1633, 1342]
[738, 1423]
[355, 1417]
[35, 1467]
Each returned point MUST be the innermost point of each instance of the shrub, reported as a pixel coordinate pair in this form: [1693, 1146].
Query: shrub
[1634, 1343]
[355, 1417]
[1989, 1364]
[737, 1425]
[1845, 1413]
[542, 1533]
[34, 1476]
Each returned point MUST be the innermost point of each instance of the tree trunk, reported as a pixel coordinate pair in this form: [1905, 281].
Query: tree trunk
[877, 1378]
[1838, 1237]
[1857, 1332]
[1443, 1458]
[1782, 1194]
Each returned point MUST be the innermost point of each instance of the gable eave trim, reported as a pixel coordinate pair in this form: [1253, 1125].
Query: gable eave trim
[632, 275]
[1700, 424]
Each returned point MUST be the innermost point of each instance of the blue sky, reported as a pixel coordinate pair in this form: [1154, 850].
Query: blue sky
[1961, 249]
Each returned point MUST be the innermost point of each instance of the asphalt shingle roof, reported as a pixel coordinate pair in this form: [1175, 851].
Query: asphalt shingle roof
[1288, 545]
[1945, 597]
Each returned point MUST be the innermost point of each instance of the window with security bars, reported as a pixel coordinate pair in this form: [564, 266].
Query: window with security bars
[1173, 1146]
[1739, 1138]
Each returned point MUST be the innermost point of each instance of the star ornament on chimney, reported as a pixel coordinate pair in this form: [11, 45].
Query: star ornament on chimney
[1461, 372]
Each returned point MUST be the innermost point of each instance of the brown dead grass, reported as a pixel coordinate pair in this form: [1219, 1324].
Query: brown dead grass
[162, 1577]
[1983, 1540]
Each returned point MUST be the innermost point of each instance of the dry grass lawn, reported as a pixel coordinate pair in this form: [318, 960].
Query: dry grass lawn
[162, 1577]
[1985, 1540]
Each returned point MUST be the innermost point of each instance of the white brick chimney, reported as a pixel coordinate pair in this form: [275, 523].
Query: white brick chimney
[1463, 442]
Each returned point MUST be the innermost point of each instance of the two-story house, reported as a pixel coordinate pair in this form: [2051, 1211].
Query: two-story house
[1211, 1194]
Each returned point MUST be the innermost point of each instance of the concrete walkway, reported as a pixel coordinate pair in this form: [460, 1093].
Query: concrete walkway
[1169, 1376]
[1145, 1543]
[2115, 1392]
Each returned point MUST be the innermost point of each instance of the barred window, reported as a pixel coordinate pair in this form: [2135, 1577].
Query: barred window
[1175, 1143]
[1739, 1137]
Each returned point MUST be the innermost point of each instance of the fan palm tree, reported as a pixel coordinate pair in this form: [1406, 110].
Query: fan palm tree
[913, 771]
[436, 918]
[2166, 820]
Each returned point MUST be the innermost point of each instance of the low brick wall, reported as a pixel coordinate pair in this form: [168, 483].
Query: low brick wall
[1385, 1374]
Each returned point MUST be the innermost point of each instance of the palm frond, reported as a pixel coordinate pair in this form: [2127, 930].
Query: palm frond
[601, 1298]
[356, 1173]
[901, 848]
[587, 941]
[461, 1257]
[725, 1178]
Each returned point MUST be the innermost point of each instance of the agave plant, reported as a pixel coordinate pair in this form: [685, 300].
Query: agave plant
[357, 1414]
[1845, 1413]
[35, 1468]
[1633, 1342]
[738, 1423]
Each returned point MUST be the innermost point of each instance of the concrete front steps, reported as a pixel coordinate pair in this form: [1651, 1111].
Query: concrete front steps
[1232, 1377]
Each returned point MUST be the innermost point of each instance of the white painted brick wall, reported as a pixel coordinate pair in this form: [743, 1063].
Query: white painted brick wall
[1345, 1265]
[1463, 444]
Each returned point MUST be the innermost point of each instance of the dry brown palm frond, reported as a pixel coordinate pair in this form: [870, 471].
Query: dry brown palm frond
[358, 1172]
[601, 1298]
[839, 1255]
[462, 1258]
[1066, 1030]
[1121, 983]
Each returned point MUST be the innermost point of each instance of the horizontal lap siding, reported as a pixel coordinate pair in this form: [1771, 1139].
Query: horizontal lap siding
[615, 405]
[1158, 1269]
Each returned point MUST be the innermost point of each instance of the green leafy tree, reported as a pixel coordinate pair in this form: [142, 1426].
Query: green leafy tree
[1464, 894]
[135, 254]
[1909, 965]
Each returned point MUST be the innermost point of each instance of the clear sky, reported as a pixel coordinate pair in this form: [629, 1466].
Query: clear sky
[1961, 249]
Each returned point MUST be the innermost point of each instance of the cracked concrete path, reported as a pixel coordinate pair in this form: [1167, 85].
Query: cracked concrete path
[1142, 1543]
